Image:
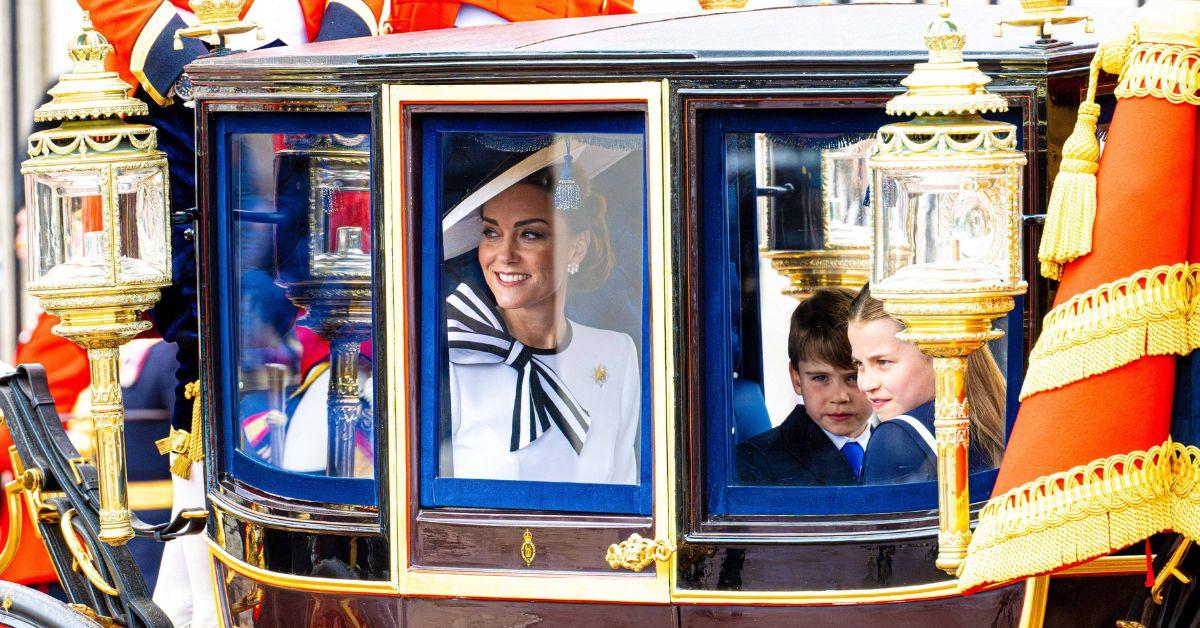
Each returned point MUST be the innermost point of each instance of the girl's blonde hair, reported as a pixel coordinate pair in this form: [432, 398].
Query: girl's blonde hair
[985, 384]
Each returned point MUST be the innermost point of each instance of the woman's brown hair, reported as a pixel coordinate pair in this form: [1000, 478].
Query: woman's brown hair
[985, 383]
[597, 263]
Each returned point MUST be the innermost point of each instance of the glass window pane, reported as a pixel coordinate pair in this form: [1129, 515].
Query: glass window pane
[542, 240]
[301, 231]
[959, 219]
[785, 247]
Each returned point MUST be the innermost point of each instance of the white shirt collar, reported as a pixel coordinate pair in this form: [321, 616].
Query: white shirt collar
[862, 439]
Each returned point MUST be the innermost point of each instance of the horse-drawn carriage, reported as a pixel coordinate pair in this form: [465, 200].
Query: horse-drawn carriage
[719, 165]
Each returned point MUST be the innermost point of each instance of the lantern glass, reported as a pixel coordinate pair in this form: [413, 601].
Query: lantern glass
[67, 242]
[341, 224]
[949, 228]
[141, 207]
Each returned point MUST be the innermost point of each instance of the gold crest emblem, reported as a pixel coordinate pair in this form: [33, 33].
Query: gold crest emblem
[528, 549]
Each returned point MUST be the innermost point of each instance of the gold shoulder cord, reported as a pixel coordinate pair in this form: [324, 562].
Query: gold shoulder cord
[187, 445]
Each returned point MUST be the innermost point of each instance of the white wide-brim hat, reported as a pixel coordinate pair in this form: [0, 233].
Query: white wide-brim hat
[463, 224]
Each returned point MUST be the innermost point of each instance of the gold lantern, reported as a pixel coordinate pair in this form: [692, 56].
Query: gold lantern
[97, 196]
[334, 286]
[946, 241]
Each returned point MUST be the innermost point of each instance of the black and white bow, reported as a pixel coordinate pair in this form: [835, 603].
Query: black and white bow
[476, 335]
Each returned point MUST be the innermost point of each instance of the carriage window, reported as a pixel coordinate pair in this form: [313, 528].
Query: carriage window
[785, 234]
[298, 213]
[536, 302]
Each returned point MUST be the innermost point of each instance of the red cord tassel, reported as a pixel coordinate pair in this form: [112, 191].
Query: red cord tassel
[1149, 566]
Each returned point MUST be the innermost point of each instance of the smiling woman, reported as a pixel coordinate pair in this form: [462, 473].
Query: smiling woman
[542, 371]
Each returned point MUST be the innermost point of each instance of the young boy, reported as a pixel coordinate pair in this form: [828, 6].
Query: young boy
[822, 441]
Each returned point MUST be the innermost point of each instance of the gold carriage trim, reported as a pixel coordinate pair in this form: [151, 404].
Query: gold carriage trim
[1167, 71]
[1088, 511]
[1113, 324]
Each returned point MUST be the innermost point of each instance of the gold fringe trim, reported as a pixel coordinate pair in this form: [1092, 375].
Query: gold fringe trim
[1088, 511]
[187, 445]
[1167, 71]
[1113, 324]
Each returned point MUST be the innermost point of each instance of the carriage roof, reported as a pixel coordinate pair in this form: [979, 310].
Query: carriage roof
[877, 36]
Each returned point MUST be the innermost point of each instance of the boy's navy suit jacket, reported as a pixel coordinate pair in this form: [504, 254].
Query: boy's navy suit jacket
[796, 453]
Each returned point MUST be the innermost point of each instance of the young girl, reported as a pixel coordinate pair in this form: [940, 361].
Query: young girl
[899, 382]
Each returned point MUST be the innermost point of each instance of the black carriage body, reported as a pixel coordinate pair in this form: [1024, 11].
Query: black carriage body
[404, 550]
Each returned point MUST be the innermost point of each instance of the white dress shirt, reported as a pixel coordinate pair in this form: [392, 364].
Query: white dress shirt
[862, 439]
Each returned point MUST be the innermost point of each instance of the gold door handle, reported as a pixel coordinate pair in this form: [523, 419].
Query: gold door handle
[637, 553]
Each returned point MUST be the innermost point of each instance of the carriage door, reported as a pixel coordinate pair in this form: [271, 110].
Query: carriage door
[526, 297]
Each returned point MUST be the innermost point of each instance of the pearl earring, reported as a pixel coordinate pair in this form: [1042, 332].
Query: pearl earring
[573, 267]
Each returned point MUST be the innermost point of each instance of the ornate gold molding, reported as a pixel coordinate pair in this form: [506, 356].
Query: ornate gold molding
[637, 553]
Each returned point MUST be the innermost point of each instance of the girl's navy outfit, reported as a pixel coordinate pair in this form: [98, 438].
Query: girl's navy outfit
[899, 453]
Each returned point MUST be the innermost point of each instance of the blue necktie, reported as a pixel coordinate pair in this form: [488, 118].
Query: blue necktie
[854, 455]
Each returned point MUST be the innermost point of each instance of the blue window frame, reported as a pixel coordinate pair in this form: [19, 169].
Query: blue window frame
[732, 336]
[440, 185]
[238, 205]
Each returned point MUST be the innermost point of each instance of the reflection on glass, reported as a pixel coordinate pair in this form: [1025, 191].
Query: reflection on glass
[542, 279]
[845, 192]
[141, 198]
[808, 197]
[71, 222]
[303, 259]
[943, 226]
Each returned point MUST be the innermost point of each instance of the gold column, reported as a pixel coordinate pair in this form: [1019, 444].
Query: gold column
[952, 425]
[949, 329]
[108, 418]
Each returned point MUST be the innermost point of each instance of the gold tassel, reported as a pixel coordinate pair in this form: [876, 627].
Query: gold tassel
[188, 446]
[1071, 211]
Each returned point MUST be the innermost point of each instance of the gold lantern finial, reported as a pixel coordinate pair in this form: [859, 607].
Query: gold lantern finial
[88, 92]
[722, 5]
[946, 85]
[216, 11]
[1045, 15]
[89, 49]
[218, 19]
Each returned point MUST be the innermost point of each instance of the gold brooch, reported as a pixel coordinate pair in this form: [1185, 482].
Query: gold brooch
[600, 375]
